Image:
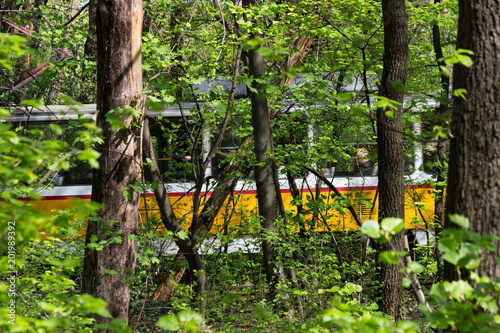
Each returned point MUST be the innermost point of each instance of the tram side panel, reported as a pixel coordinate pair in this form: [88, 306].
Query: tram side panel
[240, 210]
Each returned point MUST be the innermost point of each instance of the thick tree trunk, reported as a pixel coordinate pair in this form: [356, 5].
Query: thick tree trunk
[473, 176]
[266, 195]
[390, 145]
[119, 24]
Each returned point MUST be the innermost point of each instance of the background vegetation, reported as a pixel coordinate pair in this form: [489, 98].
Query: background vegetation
[327, 280]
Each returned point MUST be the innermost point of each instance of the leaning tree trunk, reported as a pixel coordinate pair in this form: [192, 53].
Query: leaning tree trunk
[390, 145]
[119, 24]
[474, 169]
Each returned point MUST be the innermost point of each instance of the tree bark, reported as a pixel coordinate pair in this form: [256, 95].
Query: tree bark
[264, 181]
[441, 112]
[119, 25]
[473, 176]
[186, 245]
[203, 221]
[91, 41]
[390, 145]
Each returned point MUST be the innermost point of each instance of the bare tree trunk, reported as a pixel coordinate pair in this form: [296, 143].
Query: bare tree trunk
[473, 176]
[225, 185]
[119, 25]
[203, 221]
[186, 246]
[390, 145]
[90, 47]
[441, 143]
[266, 195]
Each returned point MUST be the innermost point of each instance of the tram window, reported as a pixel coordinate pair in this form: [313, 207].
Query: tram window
[229, 144]
[79, 172]
[173, 150]
[231, 141]
[357, 160]
[291, 137]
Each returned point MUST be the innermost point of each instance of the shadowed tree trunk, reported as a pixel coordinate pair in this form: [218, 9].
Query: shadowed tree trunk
[473, 176]
[390, 145]
[441, 112]
[119, 25]
[264, 181]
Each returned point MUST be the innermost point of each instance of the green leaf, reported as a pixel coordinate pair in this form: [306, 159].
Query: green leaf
[460, 220]
[56, 129]
[357, 41]
[389, 257]
[32, 102]
[346, 96]
[357, 110]
[415, 267]
[168, 323]
[371, 229]
[182, 234]
[369, 25]
[90, 155]
[117, 325]
[392, 225]
[464, 60]
[460, 93]
[398, 85]
[4, 113]
[464, 51]
[390, 114]
[252, 44]
[350, 288]
[265, 51]
[89, 304]
[110, 271]
[231, 297]
[190, 320]
[155, 106]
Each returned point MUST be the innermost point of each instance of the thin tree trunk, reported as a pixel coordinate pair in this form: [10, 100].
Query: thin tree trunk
[441, 143]
[226, 185]
[119, 25]
[169, 220]
[390, 145]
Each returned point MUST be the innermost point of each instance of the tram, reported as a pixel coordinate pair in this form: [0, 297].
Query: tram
[357, 189]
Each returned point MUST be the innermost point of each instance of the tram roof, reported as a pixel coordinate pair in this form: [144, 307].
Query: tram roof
[62, 113]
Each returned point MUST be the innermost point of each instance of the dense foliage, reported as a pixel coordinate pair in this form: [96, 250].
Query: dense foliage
[324, 62]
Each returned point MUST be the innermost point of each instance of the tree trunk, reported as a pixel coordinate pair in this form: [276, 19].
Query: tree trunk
[473, 176]
[91, 41]
[203, 221]
[441, 112]
[186, 246]
[119, 24]
[264, 181]
[390, 145]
